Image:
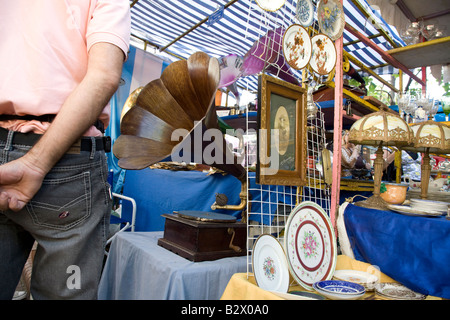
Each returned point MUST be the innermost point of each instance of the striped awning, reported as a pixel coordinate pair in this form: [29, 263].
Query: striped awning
[179, 28]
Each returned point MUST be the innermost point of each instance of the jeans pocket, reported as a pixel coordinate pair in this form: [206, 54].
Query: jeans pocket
[62, 203]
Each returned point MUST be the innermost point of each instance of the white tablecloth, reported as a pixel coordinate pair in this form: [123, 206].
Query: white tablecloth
[138, 269]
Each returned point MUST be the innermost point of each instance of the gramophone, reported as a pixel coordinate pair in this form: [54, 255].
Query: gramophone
[165, 119]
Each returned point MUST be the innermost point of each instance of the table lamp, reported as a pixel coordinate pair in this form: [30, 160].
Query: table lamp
[429, 136]
[381, 128]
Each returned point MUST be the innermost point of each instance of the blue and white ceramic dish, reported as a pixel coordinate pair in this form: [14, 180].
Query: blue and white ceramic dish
[304, 12]
[339, 290]
[339, 286]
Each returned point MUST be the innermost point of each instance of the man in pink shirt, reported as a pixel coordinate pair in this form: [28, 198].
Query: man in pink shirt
[61, 62]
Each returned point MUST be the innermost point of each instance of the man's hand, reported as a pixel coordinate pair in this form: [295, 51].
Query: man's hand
[19, 182]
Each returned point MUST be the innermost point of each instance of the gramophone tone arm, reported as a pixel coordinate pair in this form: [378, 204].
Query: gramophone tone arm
[239, 207]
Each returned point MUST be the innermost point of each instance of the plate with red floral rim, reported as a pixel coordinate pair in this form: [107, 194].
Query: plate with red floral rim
[297, 46]
[323, 57]
[269, 264]
[310, 244]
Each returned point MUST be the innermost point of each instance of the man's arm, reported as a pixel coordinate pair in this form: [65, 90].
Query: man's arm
[22, 178]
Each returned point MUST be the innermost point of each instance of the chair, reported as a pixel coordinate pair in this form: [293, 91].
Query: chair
[118, 218]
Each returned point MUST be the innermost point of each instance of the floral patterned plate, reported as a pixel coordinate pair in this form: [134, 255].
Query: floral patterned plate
[304, 12]
[310, 244]
[323, 57]
[330, 15]
[297, 46]
[269, 264]
[397, 291]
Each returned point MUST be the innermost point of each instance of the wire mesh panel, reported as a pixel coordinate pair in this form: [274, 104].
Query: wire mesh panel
[269, 206]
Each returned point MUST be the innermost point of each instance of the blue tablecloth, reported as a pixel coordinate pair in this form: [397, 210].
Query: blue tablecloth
[138, 269]
[158, 191]
[414, 251]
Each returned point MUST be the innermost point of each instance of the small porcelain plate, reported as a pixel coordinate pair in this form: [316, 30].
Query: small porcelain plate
[297, 46]
[269, 264]
[397, 291]
[339, 290]
[330, 15]
[323, 58]
[304, 12]
[270, 5]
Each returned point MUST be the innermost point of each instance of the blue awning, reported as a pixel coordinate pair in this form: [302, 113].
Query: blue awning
[160, 22]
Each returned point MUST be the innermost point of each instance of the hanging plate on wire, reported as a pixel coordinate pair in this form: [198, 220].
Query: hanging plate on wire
[304, 12]
[323, 59]
[310, 244]
[297, 46]
[270, 5]
[331, 17]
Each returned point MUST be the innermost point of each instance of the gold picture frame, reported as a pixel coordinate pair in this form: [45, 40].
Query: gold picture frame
[281, 152]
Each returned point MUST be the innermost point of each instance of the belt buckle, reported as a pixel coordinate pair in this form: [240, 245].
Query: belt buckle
[107, 143]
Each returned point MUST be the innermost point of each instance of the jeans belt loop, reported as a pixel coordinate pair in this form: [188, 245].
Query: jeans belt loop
[9, 141]
[93, 148]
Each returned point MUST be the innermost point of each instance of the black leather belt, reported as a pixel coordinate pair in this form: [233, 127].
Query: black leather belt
[29, 139]
[43, 118]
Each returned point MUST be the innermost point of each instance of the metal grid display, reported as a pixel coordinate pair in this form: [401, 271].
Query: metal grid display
[269, 207]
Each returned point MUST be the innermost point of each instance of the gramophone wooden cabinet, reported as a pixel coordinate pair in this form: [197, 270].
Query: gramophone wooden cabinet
[203, 240]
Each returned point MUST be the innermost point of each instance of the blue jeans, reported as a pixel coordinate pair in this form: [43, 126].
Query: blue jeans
[68, 218]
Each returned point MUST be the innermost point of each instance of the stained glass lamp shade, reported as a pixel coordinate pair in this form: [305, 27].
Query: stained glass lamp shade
[381, 128]
[429, 137]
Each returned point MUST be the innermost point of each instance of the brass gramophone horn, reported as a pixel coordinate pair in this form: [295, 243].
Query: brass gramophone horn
[181, 99]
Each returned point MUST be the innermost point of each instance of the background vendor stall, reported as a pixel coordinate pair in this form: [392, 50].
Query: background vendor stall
[304, 66]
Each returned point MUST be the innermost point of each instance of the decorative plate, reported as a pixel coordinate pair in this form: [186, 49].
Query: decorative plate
[397, 291]
[330, 15]
[407, 210]
[360, 277]
[304, 12]
[339, 290]
[339, 286]
[310, 244]
[323, 58]
[269, 264]
[270, 5]
[297, 46]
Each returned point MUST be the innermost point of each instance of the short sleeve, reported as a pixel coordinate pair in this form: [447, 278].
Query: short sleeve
[110, 22]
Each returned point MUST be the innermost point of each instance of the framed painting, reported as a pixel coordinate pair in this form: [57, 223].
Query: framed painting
[281, 158]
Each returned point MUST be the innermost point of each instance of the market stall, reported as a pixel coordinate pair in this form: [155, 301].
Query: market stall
[293, 56]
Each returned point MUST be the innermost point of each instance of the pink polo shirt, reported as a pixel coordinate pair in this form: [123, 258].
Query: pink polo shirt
[44, 53]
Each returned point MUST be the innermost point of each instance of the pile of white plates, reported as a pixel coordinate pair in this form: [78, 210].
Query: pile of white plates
[427, 205]
[339, 290]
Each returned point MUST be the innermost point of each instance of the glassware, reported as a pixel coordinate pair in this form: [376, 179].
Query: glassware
[434, 108]
[446, 106]
[403, 102]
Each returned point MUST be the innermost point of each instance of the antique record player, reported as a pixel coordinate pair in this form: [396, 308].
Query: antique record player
[182, 102]
[204, 236]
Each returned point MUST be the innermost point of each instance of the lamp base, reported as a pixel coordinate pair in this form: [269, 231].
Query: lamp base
[374, 202]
